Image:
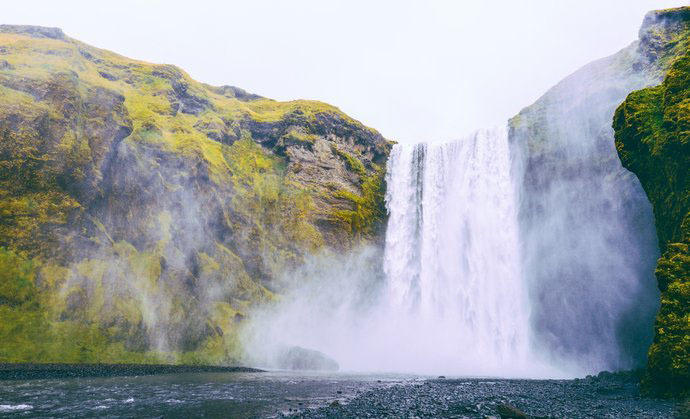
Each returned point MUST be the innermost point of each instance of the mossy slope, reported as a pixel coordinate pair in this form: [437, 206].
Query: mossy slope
[653, 141]
[143, 213]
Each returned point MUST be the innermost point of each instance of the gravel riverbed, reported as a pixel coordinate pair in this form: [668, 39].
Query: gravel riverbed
[603, 396]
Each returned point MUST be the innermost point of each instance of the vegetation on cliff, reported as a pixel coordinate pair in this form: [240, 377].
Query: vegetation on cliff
[142, 213]
[653, 141]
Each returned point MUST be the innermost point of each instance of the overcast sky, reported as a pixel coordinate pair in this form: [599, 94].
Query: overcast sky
[414, 70]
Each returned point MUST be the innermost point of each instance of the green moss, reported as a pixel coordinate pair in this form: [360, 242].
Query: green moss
[369, 209]
[666, 35]
[16, 279]
[102, 162]
[277, 213]
[267, 110]
[299, 136]
[352, 163]
[652, 129]
[30, 332]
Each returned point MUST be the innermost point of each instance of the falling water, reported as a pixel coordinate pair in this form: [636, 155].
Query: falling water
[456, 293]
[452, 254]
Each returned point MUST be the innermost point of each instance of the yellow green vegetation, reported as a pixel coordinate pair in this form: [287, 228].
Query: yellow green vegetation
[352, 162]
[143, 214]
[653, 141]
[664, 36]
[369, 208]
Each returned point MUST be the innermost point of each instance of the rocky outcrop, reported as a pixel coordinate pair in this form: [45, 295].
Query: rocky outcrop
[653, 141]
[143, 213]
[586, 221]
[296, 358]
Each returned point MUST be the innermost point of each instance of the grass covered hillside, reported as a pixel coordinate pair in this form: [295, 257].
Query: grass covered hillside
[143, 213]
[653, 141]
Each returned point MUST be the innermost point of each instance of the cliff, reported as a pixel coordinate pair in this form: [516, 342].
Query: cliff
[653, 141]
[142, 213]
[589, 239]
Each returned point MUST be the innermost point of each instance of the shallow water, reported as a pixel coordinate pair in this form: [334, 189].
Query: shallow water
[267, 394]
[278, 394]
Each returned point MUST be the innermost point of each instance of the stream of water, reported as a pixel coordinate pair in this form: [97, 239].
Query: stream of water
[452, 254]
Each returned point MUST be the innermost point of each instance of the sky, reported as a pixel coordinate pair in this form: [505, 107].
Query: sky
[414, 70]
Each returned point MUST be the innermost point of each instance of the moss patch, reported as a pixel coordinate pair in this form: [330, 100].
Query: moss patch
[653, 141]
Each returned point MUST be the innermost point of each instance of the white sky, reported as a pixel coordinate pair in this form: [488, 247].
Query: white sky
[414, 70]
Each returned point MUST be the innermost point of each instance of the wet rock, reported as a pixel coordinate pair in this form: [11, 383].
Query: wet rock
[507, 411]
[301, 359]
[497, 398]
[683, 409]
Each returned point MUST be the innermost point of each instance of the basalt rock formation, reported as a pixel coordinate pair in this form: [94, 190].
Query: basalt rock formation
[143, 213]
[653, 141]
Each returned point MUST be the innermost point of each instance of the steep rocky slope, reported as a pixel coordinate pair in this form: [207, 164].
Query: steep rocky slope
[653, 141]
[143, 213]
[588, 228]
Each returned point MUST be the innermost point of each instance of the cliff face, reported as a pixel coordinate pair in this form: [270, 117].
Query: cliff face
[588, 229]
[653, 141]
[143, 213]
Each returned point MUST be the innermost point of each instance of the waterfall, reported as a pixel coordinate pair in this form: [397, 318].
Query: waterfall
[485, 271]
[471, 283]
[452, 252]
[496, 267]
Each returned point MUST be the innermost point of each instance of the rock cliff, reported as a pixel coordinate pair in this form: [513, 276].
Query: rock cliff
[653, 141]
[588, 228]
[143, 213]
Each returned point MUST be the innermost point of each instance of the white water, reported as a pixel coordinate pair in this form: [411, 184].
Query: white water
[451, 299]
[452, 254]
[456, 294]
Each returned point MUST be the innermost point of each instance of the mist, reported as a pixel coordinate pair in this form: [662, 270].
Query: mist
[444, 296]
[525, 251]
[587, 227]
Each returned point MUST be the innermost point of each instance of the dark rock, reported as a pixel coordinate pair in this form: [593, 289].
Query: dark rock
[190, 103]
[683, 409]
[34, 31]
[301, 359]
[28, 371]
[107, 76]
[182, 98]
[507, 411]
[233, 92]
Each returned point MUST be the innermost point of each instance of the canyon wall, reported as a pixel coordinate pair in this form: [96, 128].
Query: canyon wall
[142, 214]
[653, 141]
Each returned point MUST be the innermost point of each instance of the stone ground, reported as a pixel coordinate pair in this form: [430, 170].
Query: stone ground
[604, 396]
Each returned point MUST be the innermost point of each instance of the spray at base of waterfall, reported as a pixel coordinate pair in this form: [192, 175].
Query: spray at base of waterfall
[446, 296]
